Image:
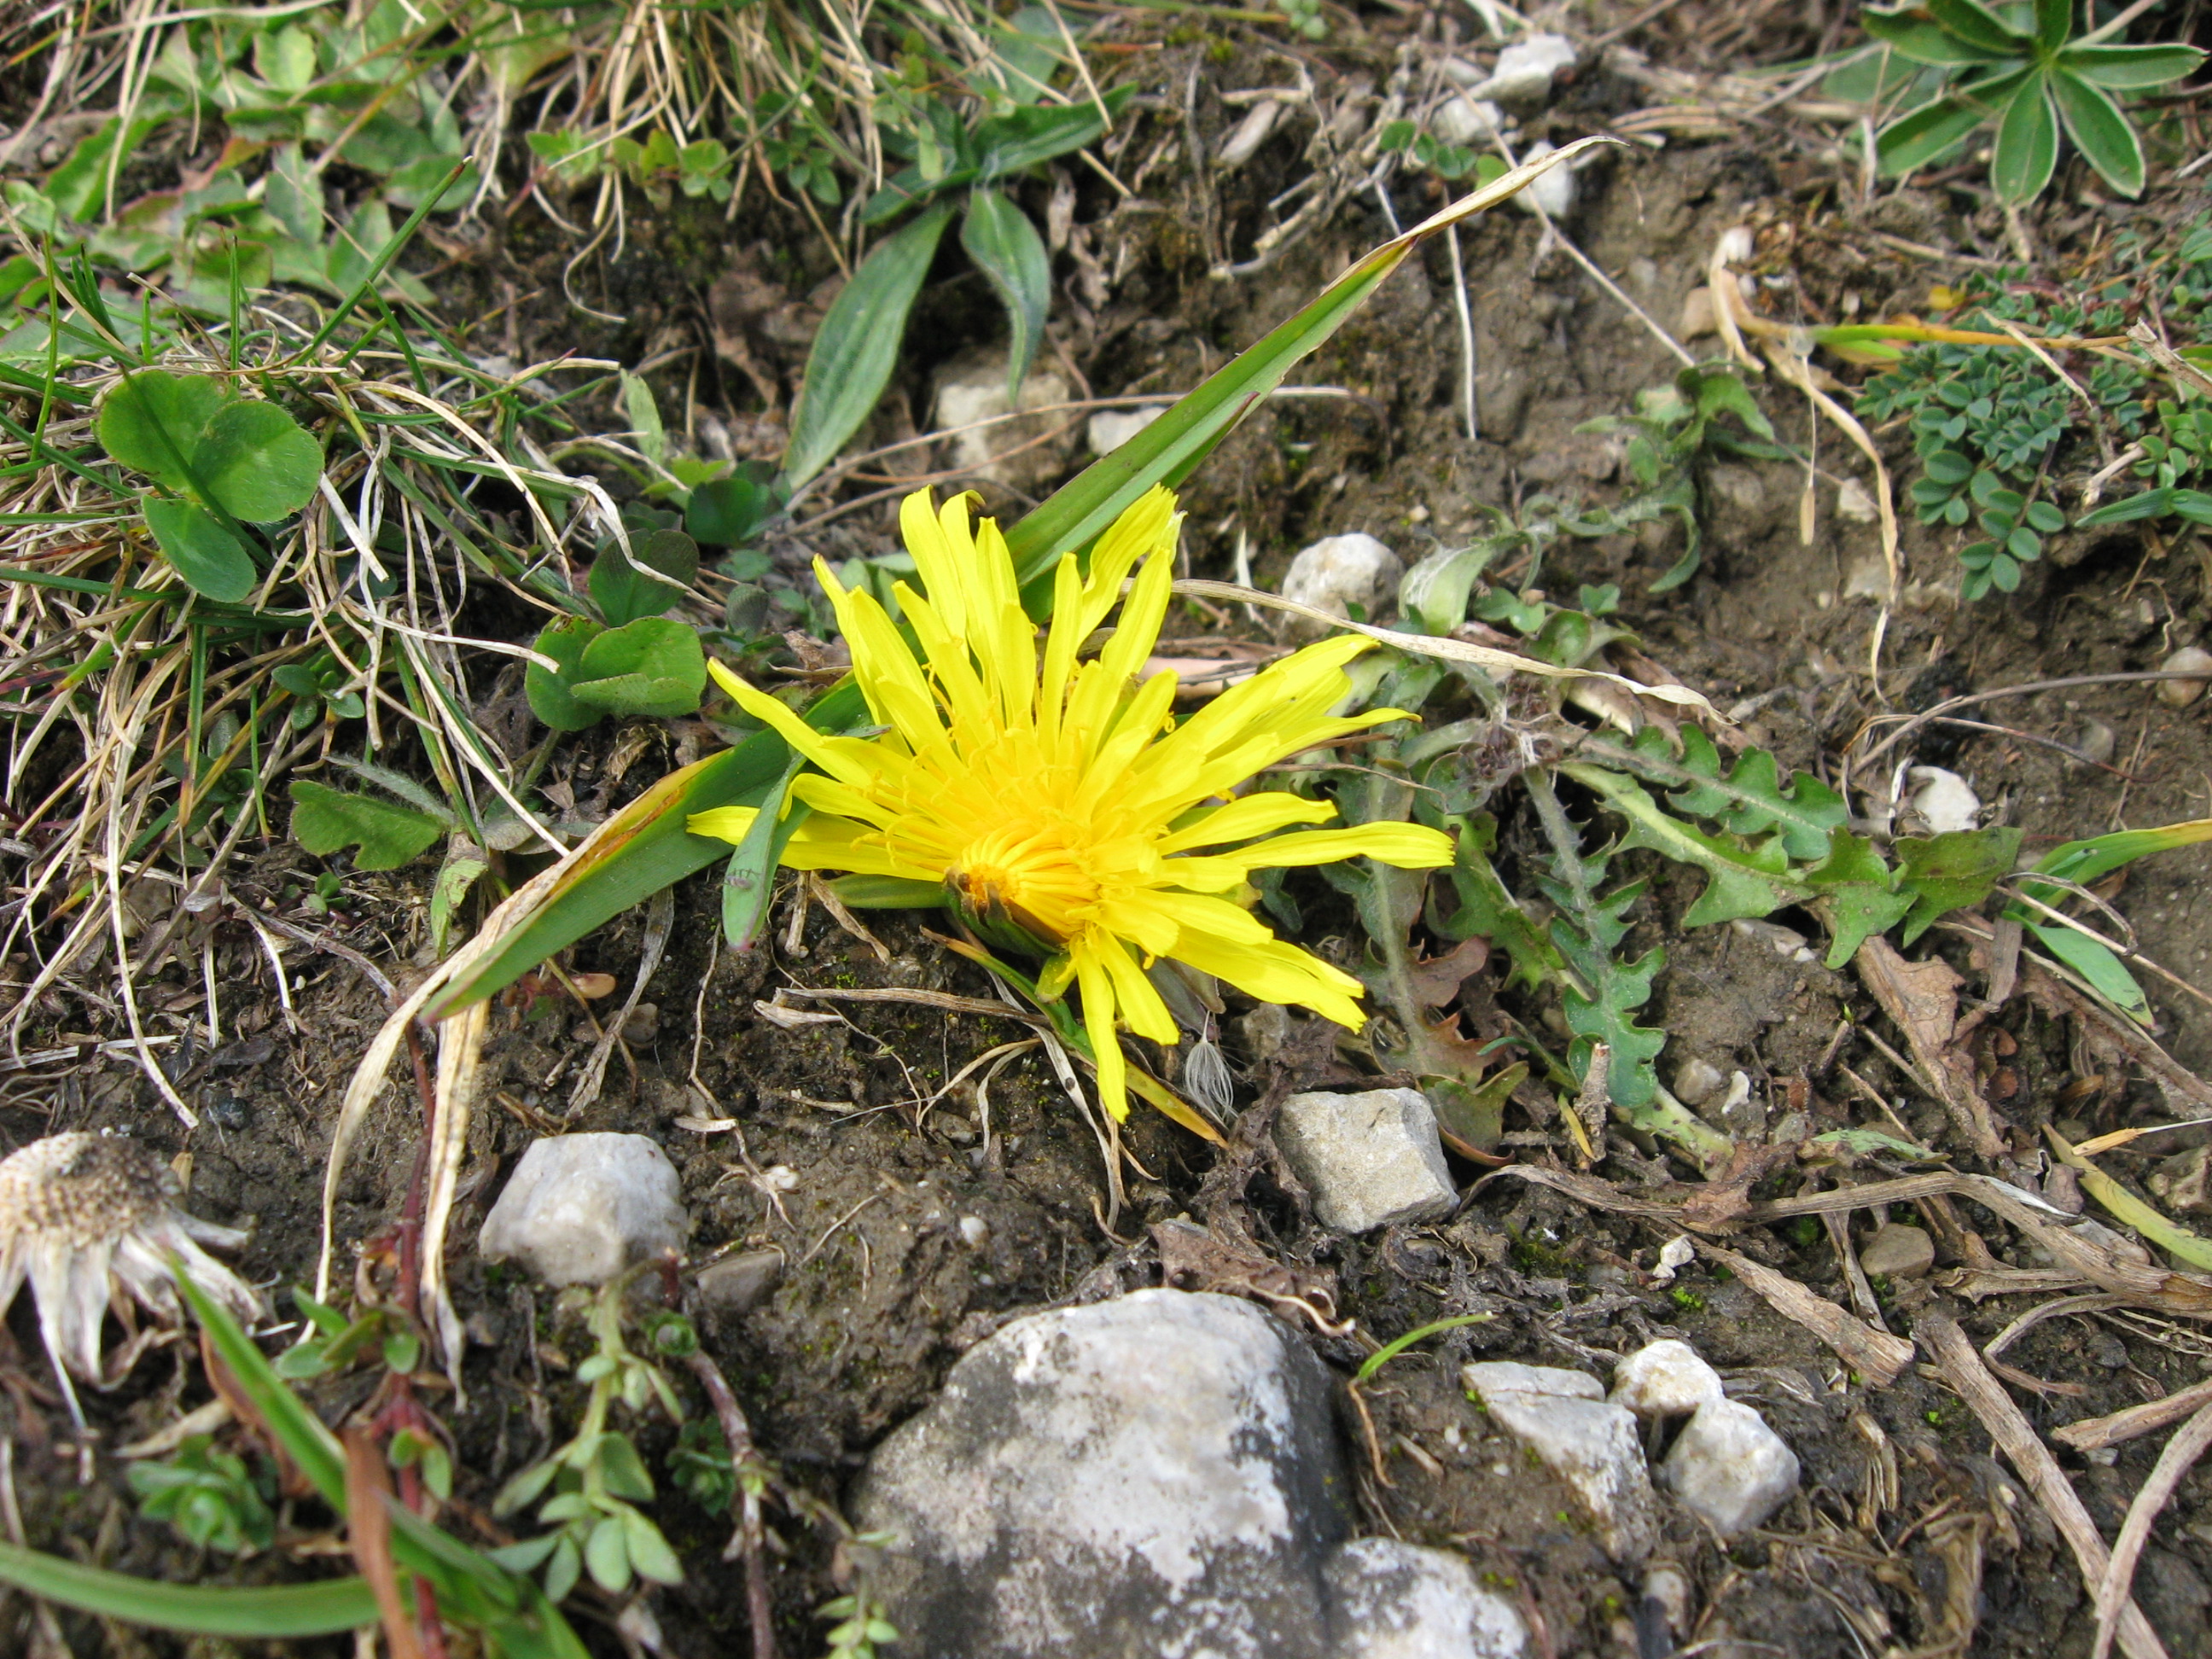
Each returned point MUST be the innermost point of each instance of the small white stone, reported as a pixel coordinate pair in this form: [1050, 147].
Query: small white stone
[2096, 741]
[1524, 71]
[581, 1208]
[1944, 801]
[1594, 1448]
[1486, 1378]
[2190, 658]
[1696, 1081]
[1463, 120]
[1109, 429]
[1555, 191]
[1896, 1251]
[1669, 1586]
[974, 1231]
[1854, 505]
[1339, 572]
[1728, 1468]
[1370, 1158]
[1665, 1379]
[1394, 1600]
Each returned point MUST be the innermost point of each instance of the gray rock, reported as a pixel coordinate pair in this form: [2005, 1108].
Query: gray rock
[1486, 1378]
[581, 1208]
[1463, 120]
[1372, 1158]
[1394, 1600]
[1159, 1474]
[1896, 1251]
[1728, 1468]
[1553, 191]
[969, 391]
[739, 1284]
[1339, 572]
[1664, 1379]
[1593, 1447]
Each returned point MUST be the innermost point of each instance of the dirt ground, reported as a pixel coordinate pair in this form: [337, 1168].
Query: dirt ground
[1910, 1531]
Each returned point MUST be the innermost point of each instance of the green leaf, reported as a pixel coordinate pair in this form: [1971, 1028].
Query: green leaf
[1488, 911]
[851, 360]
[1170, 448]
[2149, 504]
[624, 592]
[1861, 894]
[1750, 800]
[2054, 22]
[326, 821]
[2104, 137]
[2105, 974]
[648, 1550]
[623, 1470]
[1974, 24]
[151, 422]
[1952, 872]
[1934, 129]
[606, 1555]
[729, 512]
[1747, 878]
[653, 666]
[465, 862]
[1606, 1011]
[1914, 35]
[1433, 594]
[644, 414]
[2027, 143]
[2131, 69]
[2085, 861]
[1023, 138]
[257, 463]
[243, 1612]
[550, 699]
[887, 893]
[1947, 466]
[213, 562]
[1006, 248]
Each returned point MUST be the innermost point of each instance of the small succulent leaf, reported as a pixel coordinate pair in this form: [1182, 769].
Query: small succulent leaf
[1006, 248]
[326, 821]
[212, 561]
[2106, 137]
[623, 1470]
[256, 462]
[649, 1552]
[2131, 69]
[606, 1555]
[2027, 143]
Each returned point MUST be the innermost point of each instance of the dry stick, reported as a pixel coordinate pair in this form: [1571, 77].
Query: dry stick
[1955, 1353]
[2179, 1456]
[749, 1540]
[2101, 1433]
[1915, 722]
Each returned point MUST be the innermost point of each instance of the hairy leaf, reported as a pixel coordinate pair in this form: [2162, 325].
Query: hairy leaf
[1749, 877]
[1952, 872]
[326, 821]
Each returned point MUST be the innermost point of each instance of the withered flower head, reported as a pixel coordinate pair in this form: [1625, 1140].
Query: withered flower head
[93, 1219]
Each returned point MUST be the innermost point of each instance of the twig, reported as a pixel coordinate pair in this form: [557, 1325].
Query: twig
[749, 1540]
[2179, 1456]
[2101, 1433]
[1989, 1401]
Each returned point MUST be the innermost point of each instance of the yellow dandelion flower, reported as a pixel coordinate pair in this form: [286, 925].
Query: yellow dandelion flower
[1060, 800]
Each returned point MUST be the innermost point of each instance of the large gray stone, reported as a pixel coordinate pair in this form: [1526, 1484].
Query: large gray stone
[1394, 1600]
[581, 1208]
[1156, 1475]
[1370, 1158]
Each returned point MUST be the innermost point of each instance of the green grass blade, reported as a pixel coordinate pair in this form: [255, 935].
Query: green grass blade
[309, 1445]
[1167, 449]
[245, 1613]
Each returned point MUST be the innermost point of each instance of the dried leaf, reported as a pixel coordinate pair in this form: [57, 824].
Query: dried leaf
[1921, 999]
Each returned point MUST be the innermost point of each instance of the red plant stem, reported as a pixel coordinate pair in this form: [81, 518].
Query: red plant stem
[750, 1541]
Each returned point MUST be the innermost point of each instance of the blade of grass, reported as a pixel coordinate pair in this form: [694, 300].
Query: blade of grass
[245, 1612]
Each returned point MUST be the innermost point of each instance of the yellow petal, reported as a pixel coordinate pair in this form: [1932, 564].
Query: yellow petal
[728, 823]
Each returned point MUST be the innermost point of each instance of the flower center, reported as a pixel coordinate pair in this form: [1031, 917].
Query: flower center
[1027, 882]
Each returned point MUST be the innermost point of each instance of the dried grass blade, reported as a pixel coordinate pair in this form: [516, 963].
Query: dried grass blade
[2179, 1456]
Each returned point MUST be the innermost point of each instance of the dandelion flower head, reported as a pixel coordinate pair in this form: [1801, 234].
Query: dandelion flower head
[1059, 799]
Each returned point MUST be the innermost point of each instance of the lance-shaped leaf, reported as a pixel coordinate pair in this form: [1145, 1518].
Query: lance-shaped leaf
[2027, 143]
[2104, 137]
[1006, 248]
[1749, 877]
[2131, 69]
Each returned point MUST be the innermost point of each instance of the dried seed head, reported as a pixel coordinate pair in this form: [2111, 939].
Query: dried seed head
[81, 1188]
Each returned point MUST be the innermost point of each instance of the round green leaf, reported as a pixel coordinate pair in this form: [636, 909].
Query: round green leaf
[606, 1555]
[1977, 555]
[2024, 544]
[256, 462]
[624, 591]
[152, 422]
[326, 820]
[2043, 516]
[211, 560]
[1949, 466]
[548, 692]
[653, 666]
[2005, 574]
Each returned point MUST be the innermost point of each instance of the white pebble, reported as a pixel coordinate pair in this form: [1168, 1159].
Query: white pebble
[2179, 693]
[1664, 1379]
